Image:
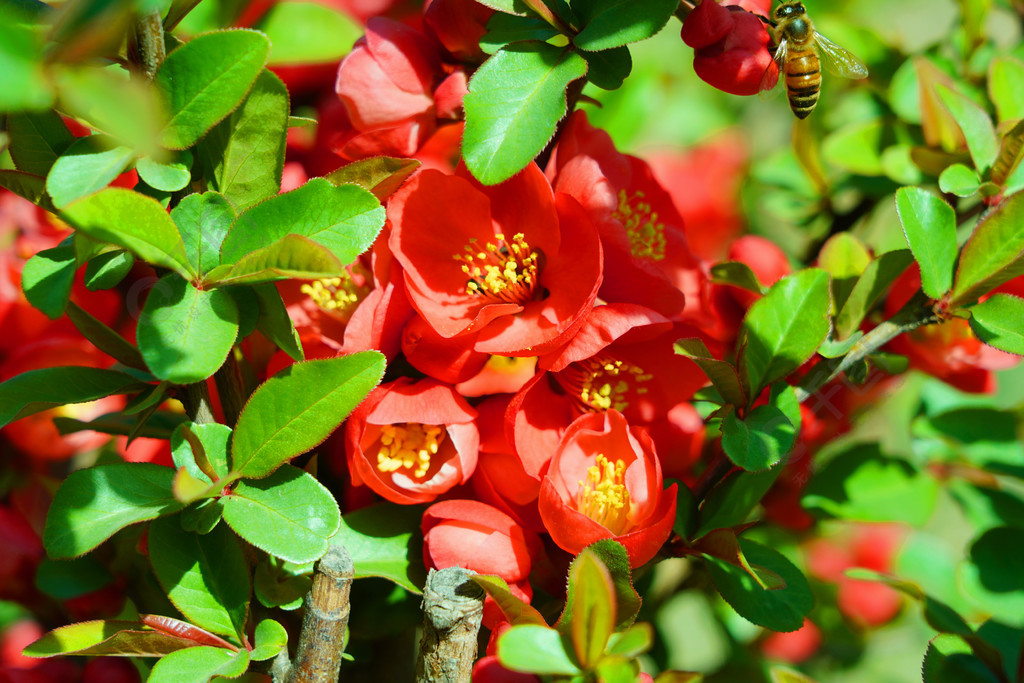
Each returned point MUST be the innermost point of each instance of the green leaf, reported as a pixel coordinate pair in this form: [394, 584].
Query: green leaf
[108, 269]
[758, 441]
[857, 147]
[861, 484]
[185, 333]
[994, 577]
[199, 665]
[379, 175]
[870, 288]
[205, 576]
[780, 609]
[993, 254]
[125, 638]
[213, 438]
[23, 84]
[36, 140]
[506, 6]
[844, 257]
[104, 338]
[731, 502]
[203, 220]
[92, 505]
[959, 180]
[784, 328]
[515, 100]
[608, 69]
[31, 187]
[999, 321]
[244, 154]
[65, 579]
[275, 323]
[833, 349]
[611, 23]
[736, 274]
[288, 514]
[133, 222]
[87, 165]
[298, 408]
[590, 620]
[384, 540]
[47, 278]
[169, 176]
[929, 225]
[721, 373]
[344, 219]
[975, 125]
[292, 256]
[203, 516]
[515, 610]
[206, 79]
[503, 29]
[1005, 74]
[535, 649]
[308, 33]
[38, 390]
[633, 642]
[270, 638]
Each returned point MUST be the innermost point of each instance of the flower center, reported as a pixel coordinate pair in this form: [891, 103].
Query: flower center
[503, 271]
[602, 383]
[646, 233]
[409, 447]
[603, 496]
[339, 296]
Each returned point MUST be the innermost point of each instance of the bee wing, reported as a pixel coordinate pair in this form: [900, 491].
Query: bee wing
[771, 78]
[837, 60]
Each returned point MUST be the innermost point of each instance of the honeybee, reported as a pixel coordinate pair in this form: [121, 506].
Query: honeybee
[800, 53]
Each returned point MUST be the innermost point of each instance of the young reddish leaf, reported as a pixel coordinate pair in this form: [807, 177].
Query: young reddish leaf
[999, 321]
[187, 489]
[975, 125]
[1011, 153]
[297, 409]
[515, 610]
[183, 629]
[929, 224]
[124, 638]
[614, 557]
[992, 255]
[380, 175]
[93, 504]
[592, 617]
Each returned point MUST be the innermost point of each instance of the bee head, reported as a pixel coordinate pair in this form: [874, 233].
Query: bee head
[789, 9]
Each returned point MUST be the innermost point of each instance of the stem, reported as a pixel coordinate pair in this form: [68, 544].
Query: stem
[322, 641]
[231, 388]
[149, 40]
[453, 608]
[196, 399]
[914, 314]
[716, 471]
[572, 97]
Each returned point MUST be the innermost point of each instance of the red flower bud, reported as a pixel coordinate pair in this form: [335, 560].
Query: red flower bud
[730, 48]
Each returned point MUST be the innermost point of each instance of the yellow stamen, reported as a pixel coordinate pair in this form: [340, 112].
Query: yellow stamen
[505, 271]
[409, 447]
[338, 296]
[603, 496]
[601, 383]
[646, 234]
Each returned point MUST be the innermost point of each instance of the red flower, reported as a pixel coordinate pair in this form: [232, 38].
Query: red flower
[604, 481]
[795, 646]
[458, 25]
[948, 350]
[646, 258]
[730, 48]
[514, 264]
[410, 441]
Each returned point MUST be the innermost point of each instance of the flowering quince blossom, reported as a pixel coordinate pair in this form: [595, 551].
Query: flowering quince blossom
[949, 351]
[410, 441]
[646, 258]
[394, 88]
[621, 359]
[605, 481]
[514, 264]
[476, 536]
[730, 47]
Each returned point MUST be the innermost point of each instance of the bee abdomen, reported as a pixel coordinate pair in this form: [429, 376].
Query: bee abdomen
[803, 81]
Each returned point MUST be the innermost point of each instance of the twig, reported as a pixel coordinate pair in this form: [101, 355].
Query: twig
[196, 399]
[149, 40]
[231, 389]
[322, 641]
[453, 608]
